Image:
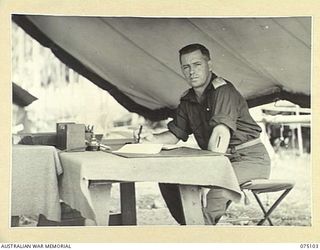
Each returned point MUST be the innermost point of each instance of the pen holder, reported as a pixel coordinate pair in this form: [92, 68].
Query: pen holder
[88, 136]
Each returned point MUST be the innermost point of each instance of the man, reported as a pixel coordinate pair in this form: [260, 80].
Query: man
[218, 116]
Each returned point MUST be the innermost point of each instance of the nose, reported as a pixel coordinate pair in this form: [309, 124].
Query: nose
[191, 70]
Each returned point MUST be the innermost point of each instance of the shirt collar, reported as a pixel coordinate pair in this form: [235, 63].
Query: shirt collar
[191, 95]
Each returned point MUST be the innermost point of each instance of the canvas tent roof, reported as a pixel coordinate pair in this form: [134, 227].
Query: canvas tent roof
[136, 59]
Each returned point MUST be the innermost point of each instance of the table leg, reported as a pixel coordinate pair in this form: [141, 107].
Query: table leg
[14, 221]
[128, 203]
[190, 199]
[100, 198]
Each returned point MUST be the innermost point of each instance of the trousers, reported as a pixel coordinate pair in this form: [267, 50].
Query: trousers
[248, 163]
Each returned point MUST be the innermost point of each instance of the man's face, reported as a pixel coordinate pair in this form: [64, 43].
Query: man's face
[196, 69]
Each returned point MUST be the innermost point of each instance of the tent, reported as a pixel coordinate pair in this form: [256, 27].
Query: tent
[136, 58]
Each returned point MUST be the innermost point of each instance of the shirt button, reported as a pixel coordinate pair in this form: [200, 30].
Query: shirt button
[208, 109]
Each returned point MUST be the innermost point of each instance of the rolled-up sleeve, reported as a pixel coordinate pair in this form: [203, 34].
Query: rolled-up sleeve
[225, 107]
[180, 126]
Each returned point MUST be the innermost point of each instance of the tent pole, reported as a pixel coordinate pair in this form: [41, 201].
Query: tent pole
[299, 132]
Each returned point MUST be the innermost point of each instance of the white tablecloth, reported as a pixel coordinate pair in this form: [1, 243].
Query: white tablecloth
[80, 167]
[34, 181]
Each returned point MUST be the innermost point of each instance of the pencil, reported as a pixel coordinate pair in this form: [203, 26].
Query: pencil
[139, 133]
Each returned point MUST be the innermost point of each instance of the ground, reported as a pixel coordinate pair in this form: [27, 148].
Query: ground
[295, 210]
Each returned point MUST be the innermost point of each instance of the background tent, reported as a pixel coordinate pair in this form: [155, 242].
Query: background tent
[136, 59]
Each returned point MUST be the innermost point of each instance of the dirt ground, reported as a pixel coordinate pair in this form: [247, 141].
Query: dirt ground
[295, 210]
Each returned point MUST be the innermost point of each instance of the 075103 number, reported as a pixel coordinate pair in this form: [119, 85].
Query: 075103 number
[309, 245]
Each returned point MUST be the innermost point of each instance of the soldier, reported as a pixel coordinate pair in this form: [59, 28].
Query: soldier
[218, 116]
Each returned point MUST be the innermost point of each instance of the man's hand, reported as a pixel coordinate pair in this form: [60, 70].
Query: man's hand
[146, 136]
[143, 135]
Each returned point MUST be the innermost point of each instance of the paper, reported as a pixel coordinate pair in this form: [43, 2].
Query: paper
[146, 148]
[140, 149]
[170, 146]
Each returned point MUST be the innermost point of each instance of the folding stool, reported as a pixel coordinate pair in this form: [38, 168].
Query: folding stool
[259, 186]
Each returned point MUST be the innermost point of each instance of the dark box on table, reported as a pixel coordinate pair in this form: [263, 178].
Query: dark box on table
[71, 136]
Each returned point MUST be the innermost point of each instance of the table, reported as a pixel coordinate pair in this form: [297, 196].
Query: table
[88, 177]
[35, 171]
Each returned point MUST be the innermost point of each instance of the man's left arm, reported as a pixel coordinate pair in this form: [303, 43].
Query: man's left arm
[219, 139]
[223, 120]
[218, 142]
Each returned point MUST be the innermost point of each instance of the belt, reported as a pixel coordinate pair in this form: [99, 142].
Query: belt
[233, 149]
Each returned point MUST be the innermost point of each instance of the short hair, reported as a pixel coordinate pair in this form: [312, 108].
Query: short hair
[193, 47]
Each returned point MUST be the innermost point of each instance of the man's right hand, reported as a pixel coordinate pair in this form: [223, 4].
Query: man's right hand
[145, 136]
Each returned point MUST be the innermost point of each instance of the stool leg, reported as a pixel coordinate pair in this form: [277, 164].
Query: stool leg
[277, 202]
[262, 208]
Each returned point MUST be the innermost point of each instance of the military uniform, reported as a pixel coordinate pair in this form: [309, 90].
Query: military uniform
[221, 104]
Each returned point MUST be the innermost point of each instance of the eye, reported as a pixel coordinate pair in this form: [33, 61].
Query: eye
[185, 67]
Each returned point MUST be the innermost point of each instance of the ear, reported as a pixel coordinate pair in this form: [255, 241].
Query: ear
[210, 65]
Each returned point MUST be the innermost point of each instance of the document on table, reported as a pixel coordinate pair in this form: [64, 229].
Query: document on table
[145, 148]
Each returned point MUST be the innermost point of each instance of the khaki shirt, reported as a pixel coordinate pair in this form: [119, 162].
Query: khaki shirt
[222, 104]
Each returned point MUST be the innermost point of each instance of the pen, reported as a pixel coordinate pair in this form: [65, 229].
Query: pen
[139, 133]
